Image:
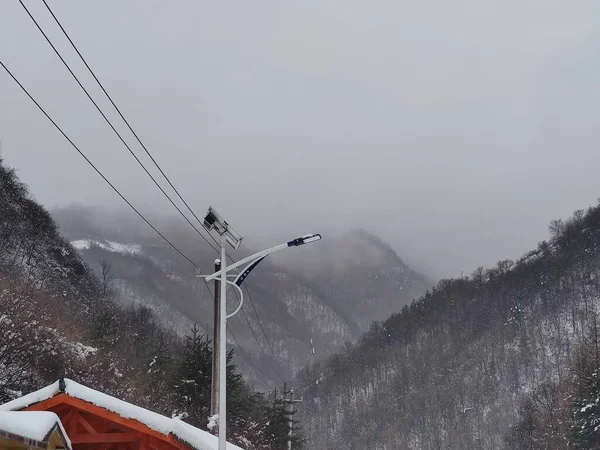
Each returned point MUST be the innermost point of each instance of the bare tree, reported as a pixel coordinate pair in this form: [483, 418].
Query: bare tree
[106, 278]
[556, 228]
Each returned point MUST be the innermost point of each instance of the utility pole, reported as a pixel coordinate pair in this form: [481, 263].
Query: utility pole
[223, 347]
[214, 387]
[291, 419]
[290, 413]
[312, 354]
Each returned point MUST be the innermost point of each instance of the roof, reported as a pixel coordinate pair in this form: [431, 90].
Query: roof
[34, 425]
[194, 437]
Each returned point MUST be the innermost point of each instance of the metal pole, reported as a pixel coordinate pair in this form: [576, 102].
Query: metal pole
[310, 364]
[214, 387]
[290, 412]
[223, 350]
[291, 420]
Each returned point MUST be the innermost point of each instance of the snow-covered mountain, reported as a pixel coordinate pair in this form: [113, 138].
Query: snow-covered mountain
[329, 292]
[504, 359]
[57, 319]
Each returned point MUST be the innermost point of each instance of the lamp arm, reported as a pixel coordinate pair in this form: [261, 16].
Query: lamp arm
[259, 256]
[241, 300]
[241, 262]
[241, 297]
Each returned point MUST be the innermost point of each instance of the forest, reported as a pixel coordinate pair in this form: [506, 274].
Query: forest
[506, 358]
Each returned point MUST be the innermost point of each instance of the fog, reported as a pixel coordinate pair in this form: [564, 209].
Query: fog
[455, 130]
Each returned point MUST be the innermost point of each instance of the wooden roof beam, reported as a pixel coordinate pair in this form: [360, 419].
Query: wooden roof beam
[102, 438]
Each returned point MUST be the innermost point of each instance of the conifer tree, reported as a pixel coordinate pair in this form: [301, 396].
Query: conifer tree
[277, 426]
[192, 382]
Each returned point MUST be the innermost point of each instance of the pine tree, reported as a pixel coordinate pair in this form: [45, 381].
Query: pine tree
[277, 425]
[192, 382]
[192, 378]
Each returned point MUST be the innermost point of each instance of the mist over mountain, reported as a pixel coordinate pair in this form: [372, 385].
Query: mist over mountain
[422, 140]
[329, 292]
[360, 273]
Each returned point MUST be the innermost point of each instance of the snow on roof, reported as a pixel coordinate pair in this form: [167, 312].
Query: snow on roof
[34, 425]
[189, 434]
[30, 399]
[199, 439]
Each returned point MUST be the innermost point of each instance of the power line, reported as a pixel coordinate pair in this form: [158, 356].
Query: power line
[243, 353]
[261, 349]
[95, 168]
[111, 125]
[119, 136]
[260, 324]
[121, 114]
[123, 198]
[142, 165]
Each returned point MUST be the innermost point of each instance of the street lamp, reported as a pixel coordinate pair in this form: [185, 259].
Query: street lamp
[214, 222]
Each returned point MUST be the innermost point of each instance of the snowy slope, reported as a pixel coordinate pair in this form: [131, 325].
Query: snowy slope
[295, 304]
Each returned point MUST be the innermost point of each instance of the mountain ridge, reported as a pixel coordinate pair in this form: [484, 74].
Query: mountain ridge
[294, 304]
[486, 361]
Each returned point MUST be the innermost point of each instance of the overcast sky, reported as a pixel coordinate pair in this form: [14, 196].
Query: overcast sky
[455, 130]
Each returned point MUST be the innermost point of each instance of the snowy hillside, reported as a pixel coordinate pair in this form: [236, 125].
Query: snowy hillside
[504, 359]
[57, 319]
[295, 302]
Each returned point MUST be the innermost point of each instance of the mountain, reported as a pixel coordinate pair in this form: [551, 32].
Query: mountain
[362, 275]
[47, 294]
[328, 292]
[57, 319]
[506, 358]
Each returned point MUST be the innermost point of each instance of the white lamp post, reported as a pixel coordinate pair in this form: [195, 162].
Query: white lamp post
[214, 222]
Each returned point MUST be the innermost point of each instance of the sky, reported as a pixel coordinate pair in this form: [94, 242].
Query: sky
[454, 130]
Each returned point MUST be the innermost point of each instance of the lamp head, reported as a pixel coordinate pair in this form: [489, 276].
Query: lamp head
[306, 239]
